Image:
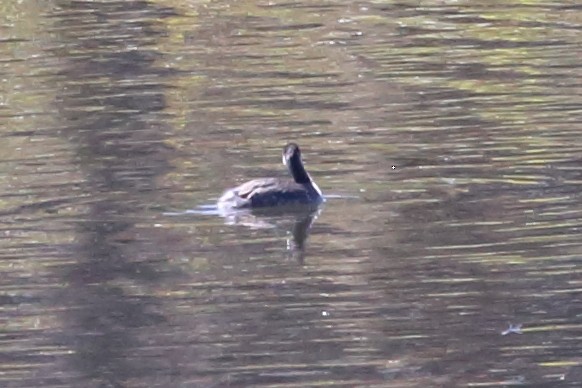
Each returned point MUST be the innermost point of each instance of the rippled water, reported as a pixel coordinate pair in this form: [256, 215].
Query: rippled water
[445, 133]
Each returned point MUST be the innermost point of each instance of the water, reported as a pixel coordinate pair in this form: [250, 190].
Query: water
[446, 135]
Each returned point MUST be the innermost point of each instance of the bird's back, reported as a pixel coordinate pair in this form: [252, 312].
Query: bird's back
[269, 192]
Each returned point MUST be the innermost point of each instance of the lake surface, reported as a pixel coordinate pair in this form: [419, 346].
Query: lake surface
[446, 134]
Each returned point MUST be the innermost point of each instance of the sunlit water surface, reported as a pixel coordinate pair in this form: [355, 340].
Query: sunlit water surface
[445, 133]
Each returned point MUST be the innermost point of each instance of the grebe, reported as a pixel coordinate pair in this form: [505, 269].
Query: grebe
[265, 192]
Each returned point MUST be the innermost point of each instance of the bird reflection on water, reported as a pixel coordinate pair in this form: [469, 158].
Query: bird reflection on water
[296, 221]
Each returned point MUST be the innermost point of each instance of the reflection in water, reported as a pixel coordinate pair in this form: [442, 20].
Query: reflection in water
[109, 99]
[115, 111]
[293, 220]
[300, 218]
[516, 329]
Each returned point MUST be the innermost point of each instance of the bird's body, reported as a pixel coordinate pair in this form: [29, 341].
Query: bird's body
[270, 192]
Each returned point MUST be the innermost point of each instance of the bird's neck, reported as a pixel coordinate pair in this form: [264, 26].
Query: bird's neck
[298, 171]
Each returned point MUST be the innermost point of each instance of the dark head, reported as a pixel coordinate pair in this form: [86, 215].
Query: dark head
[291, 151]
[292, 159]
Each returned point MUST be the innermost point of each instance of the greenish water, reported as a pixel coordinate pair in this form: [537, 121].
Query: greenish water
[445, 133]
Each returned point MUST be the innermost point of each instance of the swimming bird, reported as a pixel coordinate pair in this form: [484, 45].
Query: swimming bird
[269, 192]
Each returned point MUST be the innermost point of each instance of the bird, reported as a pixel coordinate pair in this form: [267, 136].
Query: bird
[276, 192]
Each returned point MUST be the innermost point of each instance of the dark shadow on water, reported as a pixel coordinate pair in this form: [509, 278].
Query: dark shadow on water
[113, 119]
